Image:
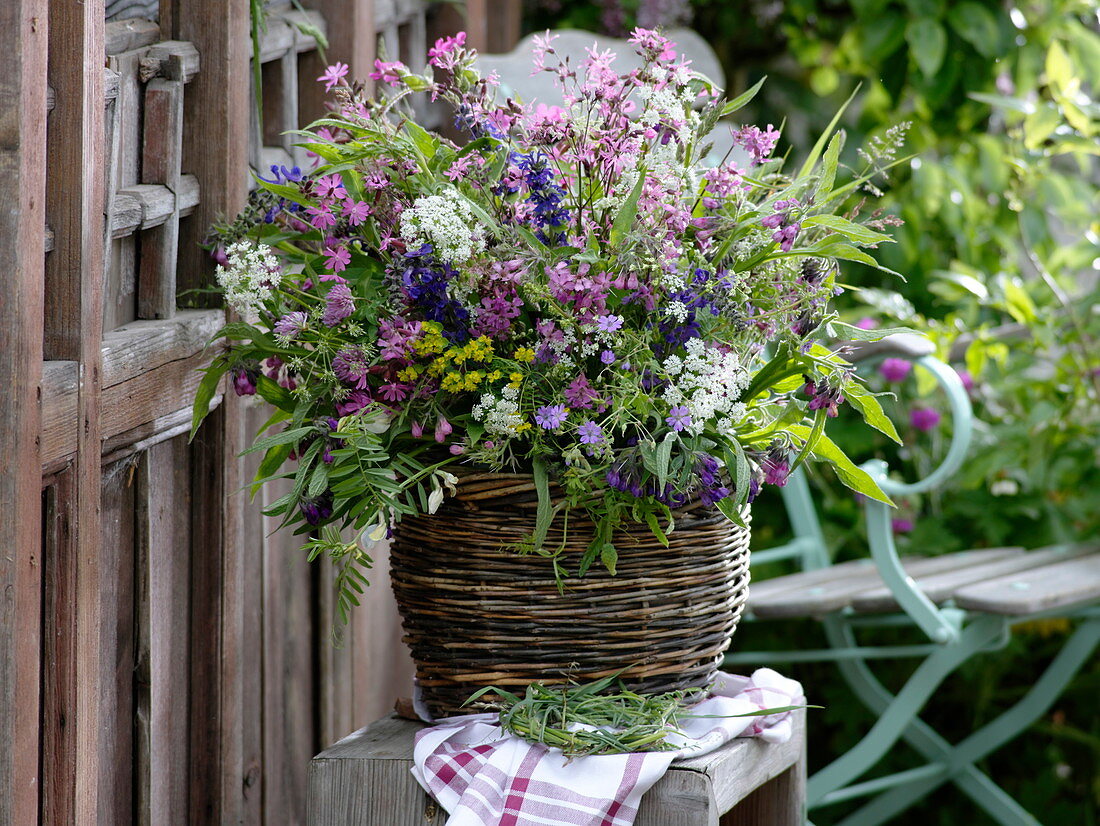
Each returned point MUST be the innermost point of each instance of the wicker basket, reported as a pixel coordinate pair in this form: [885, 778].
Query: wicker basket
[477, 615]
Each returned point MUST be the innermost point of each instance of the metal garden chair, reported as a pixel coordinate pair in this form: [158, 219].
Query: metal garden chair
[964, 604]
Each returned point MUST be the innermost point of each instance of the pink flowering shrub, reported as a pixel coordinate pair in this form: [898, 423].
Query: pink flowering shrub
[570, 293]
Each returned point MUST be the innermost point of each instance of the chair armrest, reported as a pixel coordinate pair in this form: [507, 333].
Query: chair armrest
[962, 419]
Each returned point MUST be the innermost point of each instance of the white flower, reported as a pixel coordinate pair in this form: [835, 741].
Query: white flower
[252, 274]
[500, 416]
[446, 222]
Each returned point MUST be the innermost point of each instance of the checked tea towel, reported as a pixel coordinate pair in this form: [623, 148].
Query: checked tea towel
[485, 777]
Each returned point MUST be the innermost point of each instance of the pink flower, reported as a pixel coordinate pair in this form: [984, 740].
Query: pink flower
[901, 525]
[456, 450]
[388, 73]
[966, 379]
[333, 75]
[444, 47]
[321, 217]
[417, 429]
[443, 429]
[355, 211]
[338, 259]
[895, 370]
[924, 418]
[866, 323]
[331, 186]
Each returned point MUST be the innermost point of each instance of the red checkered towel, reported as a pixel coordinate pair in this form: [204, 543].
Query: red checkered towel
[485, 777]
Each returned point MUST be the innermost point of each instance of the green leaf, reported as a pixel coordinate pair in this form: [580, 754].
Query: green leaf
[742, 99]
[846, 252]
[977, 25]
[815, 153]
[816, 432]
[857, 232]
[425, 143]
[609, 556]
[655, 526]
[663, 455]
[927, 44]
[625, 219]
[319, 480]
[544, 515]
[287, 437]
[829, 164]
[868, 406]
[847, 471]
[843, 331]
[205, 393]
[272, 461]
[1059, 70]
[272, 393]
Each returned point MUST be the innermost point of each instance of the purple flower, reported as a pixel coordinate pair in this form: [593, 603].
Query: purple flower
[394, 391]
[895, 370]
[352, 364]
[590, 433]
[355, 401]
[607, 357]
[678, 418]
[966, 379]
[244, 381]
[417, 429]
[901, 525]
[333, 74]
[866, 323]
[786, 236]
[924, 418]
[290, 325]
[776, 465]
[609, 323]
[579, 393]
[339, 304]
[551, 416]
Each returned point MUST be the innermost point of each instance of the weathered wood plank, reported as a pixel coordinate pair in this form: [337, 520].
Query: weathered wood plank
[1051, 587]
[174, 349]
[126, 35]
[815, 593]
[59, 650]
[23, 87]
[164, 616]
[117, 642]
[942, 586]
[73, 330]
[175, 59]
[161, 157]
[144, 206]
[365, 777]
[290, 692]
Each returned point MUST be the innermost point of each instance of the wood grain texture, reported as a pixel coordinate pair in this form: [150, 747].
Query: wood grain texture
[150, 372]
[1047, 588]
[73, 330]
[117, 641]
[364, 779]
[815, 593]
[942, 586]
[161, 157]
[214, 152]
[23, 42]
[163, 661]
[351, 37]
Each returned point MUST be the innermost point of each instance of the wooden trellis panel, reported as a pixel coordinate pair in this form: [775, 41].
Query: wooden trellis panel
[163, 659]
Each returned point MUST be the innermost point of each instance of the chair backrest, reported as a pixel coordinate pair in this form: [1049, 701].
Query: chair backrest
[514, 67]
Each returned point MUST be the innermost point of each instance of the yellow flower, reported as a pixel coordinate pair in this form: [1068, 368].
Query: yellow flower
[494, 375]
[524, 354]
[453, 382]
[515, 379]
[473, 379]
[457, 355]
[521, 428]
[410, 373]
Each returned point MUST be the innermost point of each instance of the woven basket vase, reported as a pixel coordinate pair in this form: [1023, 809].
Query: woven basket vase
[476, 614]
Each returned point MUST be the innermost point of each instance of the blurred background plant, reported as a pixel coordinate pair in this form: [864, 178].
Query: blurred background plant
[1000, 249]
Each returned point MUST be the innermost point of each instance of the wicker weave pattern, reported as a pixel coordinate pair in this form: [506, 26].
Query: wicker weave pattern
[475, 615]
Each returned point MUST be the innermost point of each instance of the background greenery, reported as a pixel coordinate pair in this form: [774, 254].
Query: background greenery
[1000, 249]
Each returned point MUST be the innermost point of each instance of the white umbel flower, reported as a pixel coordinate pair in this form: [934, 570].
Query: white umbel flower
[446, 222]
[252, 274]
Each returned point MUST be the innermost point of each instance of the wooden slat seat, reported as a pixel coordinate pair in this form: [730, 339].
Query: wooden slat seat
[941, 587]
[815, 593]
[1046, 588]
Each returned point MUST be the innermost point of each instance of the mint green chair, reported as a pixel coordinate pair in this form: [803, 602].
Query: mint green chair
[964, 604]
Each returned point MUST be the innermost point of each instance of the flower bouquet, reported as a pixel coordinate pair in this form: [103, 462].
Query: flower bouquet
[569, 295]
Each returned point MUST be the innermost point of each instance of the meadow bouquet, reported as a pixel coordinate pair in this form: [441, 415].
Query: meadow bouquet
[563, 291]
